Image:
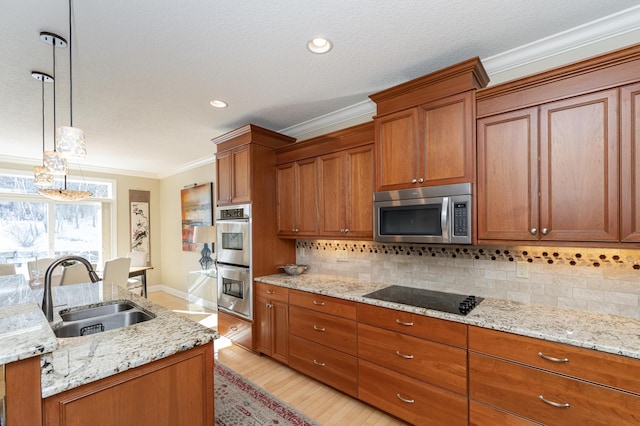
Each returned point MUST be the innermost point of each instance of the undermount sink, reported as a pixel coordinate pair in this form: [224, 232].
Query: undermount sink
[96, 319]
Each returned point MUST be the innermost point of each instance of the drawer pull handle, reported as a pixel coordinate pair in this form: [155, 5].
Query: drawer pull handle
[315, 302]
[400, 354]
[554, 404]
[316, 328]
[550, 358]
[408, 401]
[318, 363]
[271, 292]
[233, 328]
[408, 324]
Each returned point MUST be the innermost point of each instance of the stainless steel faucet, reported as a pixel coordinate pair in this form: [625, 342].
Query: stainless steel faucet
[47, 299]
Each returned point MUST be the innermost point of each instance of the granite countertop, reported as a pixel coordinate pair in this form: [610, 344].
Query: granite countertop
[71, 362]
[24, 330]
[601, 332]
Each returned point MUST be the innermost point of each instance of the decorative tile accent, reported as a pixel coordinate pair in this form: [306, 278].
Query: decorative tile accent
[534, 254]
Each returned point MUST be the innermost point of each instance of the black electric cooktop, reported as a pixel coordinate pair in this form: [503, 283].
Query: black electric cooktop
[430, 299]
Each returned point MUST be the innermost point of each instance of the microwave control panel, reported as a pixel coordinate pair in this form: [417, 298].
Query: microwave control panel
[460, 219]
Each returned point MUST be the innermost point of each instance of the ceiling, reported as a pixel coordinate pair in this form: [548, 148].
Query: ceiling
[144, 71]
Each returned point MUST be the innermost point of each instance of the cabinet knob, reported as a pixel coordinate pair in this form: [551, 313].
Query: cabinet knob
[420, 180]
[545, 231]
[269, 305]
[533, 231]
[414, 180]
[346, 230]
[271, 292]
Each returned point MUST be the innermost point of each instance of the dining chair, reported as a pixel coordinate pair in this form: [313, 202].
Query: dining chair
[41, 267]
[117, 271]
[75, 274]
[7, 269]
[138, 258]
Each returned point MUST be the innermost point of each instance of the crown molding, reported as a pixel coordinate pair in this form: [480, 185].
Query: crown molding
[614, 25]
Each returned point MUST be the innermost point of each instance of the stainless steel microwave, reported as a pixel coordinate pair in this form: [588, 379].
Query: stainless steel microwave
[436, 214]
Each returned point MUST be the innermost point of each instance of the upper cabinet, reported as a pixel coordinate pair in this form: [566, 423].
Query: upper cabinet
[325, 186]
[550, 172]
[557, 155]
[244, 162]
[425, 129]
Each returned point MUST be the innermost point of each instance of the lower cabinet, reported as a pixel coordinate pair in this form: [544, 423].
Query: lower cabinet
[177, 390]
[236, 329]
[272, 321]
[549, 382]
[409, 399]
[482, 415]
[22, 392]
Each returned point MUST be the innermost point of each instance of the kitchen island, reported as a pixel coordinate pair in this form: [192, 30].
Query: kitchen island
[155, 364]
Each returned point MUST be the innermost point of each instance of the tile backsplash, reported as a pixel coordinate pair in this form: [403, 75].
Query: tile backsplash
[595, 280]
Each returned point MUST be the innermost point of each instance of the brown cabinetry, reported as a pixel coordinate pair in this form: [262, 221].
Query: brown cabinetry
[549, 382]
[346, 188]
[233, 176]
[236, 329]
[22, 392]
[322, 341]
[425, 129]
[432, 144]
[558, 184]
[630, 163]
[272, 321]
[421, 361]
[297, 198]
[177, 390]
[325, 186]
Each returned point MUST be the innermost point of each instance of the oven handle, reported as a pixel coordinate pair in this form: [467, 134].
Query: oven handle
[444, 219]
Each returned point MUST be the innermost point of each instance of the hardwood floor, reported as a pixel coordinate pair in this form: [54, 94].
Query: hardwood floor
[324, 404]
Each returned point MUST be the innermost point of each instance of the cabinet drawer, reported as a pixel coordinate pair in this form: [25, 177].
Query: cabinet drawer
[235, 329]
[322, 303]
[484, 415]
[434, 363]
[519, 389]
[271, 292]
[449, 332]
[326, 365]
[608, 369]
[423, 404]
[328, 330]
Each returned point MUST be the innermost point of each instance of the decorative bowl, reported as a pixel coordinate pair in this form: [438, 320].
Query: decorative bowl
[294, 269]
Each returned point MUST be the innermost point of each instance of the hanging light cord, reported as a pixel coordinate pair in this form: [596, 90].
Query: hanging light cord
[70, 71]
[43, 148]
[54, 93]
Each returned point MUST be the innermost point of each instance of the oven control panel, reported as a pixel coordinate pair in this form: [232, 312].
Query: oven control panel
[240, 211]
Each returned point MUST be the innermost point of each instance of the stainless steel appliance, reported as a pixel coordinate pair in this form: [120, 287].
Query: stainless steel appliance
[234, 290]
[436, 214]
[235, 280]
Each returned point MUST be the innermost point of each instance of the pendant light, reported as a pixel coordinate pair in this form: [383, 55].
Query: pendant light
[52, 160]
[40, 174]
[70, 140]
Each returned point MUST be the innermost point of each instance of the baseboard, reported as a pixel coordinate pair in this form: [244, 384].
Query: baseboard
[182, 295]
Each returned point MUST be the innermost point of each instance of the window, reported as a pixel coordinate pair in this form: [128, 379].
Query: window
[32, 225]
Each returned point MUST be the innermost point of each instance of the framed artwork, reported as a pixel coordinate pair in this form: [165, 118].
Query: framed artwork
[139, 222]
[197, 209]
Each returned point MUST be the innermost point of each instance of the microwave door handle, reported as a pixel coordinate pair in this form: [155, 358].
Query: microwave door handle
[444, 219]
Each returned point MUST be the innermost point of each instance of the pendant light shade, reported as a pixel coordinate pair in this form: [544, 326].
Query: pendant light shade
[64, 194]
[70, 142]
[54, 163]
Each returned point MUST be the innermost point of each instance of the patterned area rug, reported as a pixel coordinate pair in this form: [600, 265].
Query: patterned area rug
[238, 402]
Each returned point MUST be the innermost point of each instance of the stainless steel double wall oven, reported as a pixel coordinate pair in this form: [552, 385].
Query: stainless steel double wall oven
[233, 241]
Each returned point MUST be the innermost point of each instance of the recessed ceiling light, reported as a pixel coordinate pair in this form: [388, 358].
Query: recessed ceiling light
[319, 45]
[218, 103]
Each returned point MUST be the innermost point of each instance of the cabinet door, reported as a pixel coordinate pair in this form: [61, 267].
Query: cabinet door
[359, 192]
[223, 174]
[307, 198]
[241, 175]
[280, 331]
[332, 194]
[447, 138]
[508, 176]
[263, 326]
[630, 163]
[579, 168]
[286, 199]
[397, 150]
